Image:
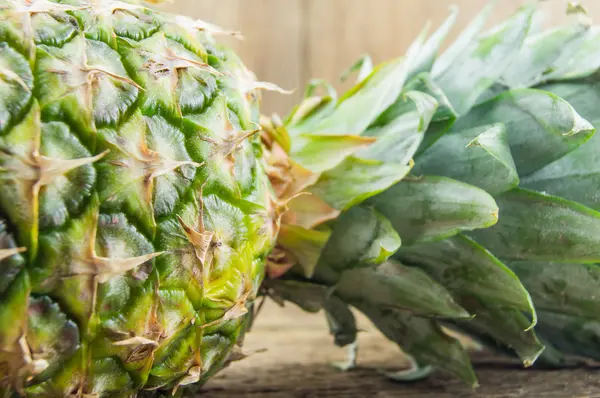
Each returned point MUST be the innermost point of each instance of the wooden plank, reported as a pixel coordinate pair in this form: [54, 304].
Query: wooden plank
[299, 349]
[273, 43]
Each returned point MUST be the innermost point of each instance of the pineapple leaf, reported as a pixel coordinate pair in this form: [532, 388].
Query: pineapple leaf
[364, 67]
[304, 244]
[341, 321]
[425, 85]
[356, 180]
[373, 241]
[393, 285]
[467, 269]
[415, 373]
[506, 329]
[466, 38]
[423, 339]
[432, 208]
[309, 111]
[572, 335]
[363, 104]
[479, 156]
[581, 63]
[541, 127]
[308, 296]
[478, 64]
[313, 107]
[319, 153]
[569, 289]
[483, 286]
[422, 53]
[572, 176]
[445, 115]
[315, 84]
[535, 226]
[313, 298]
[399, 139]
[540, 54]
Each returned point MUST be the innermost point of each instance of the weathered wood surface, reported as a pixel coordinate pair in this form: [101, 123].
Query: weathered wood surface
[290, 41]
[299, 350]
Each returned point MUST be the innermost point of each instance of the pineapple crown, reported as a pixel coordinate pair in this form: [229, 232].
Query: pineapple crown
[441, 195]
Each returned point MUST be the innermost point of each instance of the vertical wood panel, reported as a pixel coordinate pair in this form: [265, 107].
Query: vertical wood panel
[289, 41]
[273, 43]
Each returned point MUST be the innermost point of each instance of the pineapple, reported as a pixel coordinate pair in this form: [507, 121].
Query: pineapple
[135, 214]
[450, 194]
[140, 201]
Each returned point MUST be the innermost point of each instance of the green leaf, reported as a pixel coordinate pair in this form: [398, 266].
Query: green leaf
[485, 287]
[582, 94]
[313, 298]
[423, 339]
[570, 289]
[420, 105]
[399, 139]
[421, 54]
[392, 285]
[479, 156]
[415, 373]
[361, 238]
[467, 269]
[313, 108]
[319, 153]
[541, 127]
[474, 67]
[341, 321]
[583, 61]
[315, 84]
[570, 334]
[444, 116]
[504, 328]
[534, 226]
[364, 67]
[356, 180]
[451, 56]
[433, 208]
[552, 358]
[305, 245]
[572, 176]
[363, 104]
[540, 54]
[425, 84]
[308, 296]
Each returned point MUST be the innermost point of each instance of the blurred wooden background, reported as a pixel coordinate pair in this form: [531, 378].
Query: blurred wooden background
[290, 41]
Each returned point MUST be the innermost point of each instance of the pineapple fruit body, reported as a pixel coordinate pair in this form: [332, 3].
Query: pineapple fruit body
[134, 209]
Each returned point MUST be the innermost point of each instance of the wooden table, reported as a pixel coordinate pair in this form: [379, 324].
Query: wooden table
[299, 349]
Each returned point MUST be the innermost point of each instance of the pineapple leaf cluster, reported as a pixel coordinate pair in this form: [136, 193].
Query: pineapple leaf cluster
[452, 193]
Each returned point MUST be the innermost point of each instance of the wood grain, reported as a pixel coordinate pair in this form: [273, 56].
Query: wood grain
[289, 41]
[299, 350]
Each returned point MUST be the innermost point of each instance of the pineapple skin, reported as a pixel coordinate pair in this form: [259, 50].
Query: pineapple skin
[135, 215]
